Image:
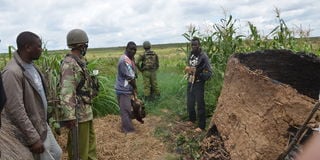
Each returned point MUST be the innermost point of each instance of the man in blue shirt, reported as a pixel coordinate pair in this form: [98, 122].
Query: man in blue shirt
[126, 86]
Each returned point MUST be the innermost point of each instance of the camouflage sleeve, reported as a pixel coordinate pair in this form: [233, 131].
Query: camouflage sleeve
[68, 90]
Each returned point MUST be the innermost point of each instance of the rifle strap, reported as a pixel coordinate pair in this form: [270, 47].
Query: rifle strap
[82, 81]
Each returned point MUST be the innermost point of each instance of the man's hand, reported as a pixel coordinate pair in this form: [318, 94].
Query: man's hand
[189, 69]
[37, 147]
[135, 94]
[132, 82]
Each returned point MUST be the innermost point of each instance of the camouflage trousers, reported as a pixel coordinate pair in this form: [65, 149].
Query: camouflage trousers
[150, 85]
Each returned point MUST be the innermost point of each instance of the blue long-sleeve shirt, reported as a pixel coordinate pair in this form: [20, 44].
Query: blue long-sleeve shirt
[126, 72]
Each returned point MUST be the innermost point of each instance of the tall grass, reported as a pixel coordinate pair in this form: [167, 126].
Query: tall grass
[105, 102]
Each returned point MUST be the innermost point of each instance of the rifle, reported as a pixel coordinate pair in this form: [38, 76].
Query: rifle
[192, 77]
[74, 143]
[194, 71]
[75, 137]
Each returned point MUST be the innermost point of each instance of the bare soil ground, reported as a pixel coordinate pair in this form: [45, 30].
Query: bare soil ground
[159, 138]
[112, 144]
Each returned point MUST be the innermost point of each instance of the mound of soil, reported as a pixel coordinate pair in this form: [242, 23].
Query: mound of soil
[264, 94]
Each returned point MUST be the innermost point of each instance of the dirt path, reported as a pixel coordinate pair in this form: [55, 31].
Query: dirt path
[115, 145]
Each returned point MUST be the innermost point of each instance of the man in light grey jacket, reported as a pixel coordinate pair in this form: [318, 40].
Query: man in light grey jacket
[26, 104]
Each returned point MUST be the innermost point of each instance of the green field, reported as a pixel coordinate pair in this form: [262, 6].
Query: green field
[171, 106]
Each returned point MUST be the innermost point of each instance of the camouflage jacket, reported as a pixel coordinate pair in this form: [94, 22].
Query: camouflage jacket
[148, 61]
[75, 90]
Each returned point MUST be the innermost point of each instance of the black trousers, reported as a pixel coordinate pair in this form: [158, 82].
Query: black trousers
[195, 96]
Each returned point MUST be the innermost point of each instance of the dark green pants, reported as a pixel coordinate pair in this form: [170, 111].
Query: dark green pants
[87, 142]
[150, 83]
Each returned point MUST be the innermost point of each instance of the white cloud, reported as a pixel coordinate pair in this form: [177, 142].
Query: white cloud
[114, 23]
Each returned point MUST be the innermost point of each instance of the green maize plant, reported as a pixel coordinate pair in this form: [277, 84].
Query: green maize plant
[6, 56]
[105, 102]
[49, 64]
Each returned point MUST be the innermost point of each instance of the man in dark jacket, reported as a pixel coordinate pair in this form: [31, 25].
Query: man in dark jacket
[199, 71]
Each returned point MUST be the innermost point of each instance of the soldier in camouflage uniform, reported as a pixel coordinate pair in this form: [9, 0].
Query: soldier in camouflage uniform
[76, 95]
[148, 64]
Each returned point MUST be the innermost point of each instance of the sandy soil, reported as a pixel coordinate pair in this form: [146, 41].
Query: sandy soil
[112, 144]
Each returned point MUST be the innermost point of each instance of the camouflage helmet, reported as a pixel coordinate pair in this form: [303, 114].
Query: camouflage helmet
[146, 44]
[76, 36]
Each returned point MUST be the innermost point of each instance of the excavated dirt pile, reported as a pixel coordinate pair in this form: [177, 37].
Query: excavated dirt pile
[264, 94]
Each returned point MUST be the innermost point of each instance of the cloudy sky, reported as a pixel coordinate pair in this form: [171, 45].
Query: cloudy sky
[115, 22]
